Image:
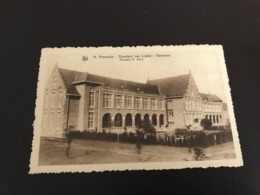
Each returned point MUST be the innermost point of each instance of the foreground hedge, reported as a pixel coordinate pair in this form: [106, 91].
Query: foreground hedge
[180, 138]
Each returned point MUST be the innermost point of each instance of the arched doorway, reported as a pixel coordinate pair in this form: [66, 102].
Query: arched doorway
[118, 120]
[128, 120]
[146, 119]
[161, 121]
[138, 121]
[106, 121]
[154, 119]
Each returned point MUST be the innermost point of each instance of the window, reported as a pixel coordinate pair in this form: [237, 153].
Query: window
[118, 120]
[90, 120]
[128, 101]
[44, 122]
[46, 100]
[92, 99]
[192, 105]
[107, 100]
[153, 103]
[186, 105]
[58, 124]
[169, 101]
[118, 101]
[170, 112]
[52, 122]
[146, 103]
[160, 104]
[53, 97]
[60, 99]
[137, 102]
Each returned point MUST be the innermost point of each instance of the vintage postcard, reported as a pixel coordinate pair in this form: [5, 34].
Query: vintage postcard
[133, 108]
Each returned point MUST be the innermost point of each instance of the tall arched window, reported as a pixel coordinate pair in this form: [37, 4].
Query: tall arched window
[118, 120]
[128, 120]
[106, 121]
[146, 119]
[161, 120]
[138, 120]
[154, 119]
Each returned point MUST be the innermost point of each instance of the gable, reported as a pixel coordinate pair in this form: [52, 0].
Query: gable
[55, 81]
[192, 89]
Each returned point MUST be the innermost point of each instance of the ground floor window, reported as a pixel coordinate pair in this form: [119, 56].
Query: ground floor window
[161, 120]
[118, 120]
[128, 120]
[58, 124]
[138, 120]
[154, 119]
[106, 121]
[146, 119]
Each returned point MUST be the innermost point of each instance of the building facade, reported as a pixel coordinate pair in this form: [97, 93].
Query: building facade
[184, 102]
[82, 101]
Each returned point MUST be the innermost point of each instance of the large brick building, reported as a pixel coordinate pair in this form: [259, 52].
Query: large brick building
[84, 101]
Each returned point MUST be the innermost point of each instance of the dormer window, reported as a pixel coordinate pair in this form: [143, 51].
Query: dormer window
[107, 86]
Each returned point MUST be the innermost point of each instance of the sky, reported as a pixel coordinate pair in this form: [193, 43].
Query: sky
[204, 63]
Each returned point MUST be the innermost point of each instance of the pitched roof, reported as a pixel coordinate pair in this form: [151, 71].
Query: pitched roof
[211, 98]
[68, 78]
[72, 77]
[172, 86]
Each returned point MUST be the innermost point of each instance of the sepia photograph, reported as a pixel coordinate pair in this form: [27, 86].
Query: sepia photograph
[131, 108]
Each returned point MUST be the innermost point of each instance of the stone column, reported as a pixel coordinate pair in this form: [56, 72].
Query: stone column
[133, 121]
[158, 121]
[123, 121]
[112, 121]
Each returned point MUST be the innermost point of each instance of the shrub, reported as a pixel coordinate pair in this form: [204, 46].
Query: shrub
[206, 124]
[181, 138]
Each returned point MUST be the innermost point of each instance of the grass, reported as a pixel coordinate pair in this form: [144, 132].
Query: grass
[53, 152]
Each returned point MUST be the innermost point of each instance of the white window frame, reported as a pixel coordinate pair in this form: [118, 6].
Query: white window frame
[128, 101]
[138, 103]
[118, 101]
[154, 105]
[110, 101]
[146, 103]
[91, 120]
[160, 104]
[92, 99]
[170, 112]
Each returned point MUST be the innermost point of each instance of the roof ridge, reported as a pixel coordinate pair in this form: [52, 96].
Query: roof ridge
[170, 77]
[127, 81]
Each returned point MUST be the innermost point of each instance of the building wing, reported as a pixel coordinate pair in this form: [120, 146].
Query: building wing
[72, 77]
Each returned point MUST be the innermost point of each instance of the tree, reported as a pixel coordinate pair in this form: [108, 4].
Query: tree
[148, 127]
[206, 123]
